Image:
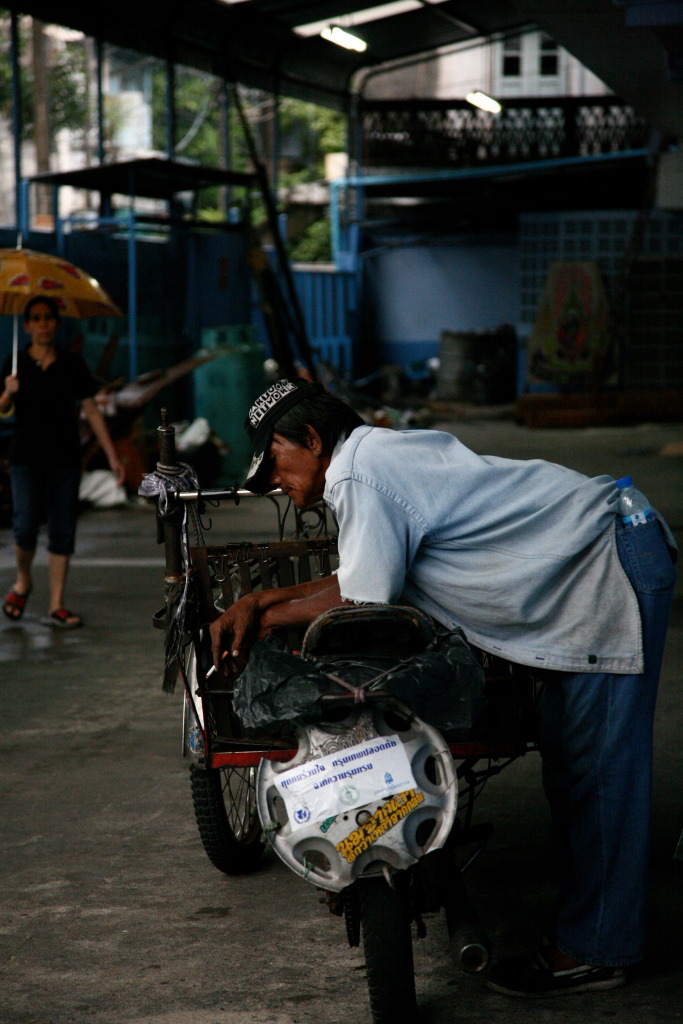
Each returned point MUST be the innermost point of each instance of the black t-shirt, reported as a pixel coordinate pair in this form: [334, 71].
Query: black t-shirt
[46, 420]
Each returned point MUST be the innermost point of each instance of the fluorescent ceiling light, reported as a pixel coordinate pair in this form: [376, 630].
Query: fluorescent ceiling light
[351, 21]
[335, 34]
[484, 102]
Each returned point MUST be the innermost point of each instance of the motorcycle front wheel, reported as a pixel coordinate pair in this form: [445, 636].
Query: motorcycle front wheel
[224, 801]
[387, 943]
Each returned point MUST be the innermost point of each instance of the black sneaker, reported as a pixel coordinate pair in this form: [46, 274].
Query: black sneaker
[530, 977]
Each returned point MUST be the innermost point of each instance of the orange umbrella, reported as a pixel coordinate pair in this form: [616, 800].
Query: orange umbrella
[25, 274]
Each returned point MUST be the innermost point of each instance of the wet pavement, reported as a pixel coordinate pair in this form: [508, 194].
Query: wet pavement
[111, 911]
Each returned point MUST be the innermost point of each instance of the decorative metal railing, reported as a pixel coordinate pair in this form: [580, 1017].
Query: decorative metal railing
[421, 134]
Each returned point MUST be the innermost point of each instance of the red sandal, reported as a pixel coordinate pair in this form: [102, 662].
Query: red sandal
[64, 619]
[14, 604]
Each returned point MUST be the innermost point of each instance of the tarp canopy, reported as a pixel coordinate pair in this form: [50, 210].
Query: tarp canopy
[152, 178]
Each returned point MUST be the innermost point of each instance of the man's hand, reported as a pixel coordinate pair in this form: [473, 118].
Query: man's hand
[255, 615]
[234, 632]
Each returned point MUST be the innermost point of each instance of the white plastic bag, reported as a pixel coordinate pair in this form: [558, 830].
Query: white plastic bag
[99, 488]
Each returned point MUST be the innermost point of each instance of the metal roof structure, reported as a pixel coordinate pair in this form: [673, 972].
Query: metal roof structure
[634, 46]
[150, 177]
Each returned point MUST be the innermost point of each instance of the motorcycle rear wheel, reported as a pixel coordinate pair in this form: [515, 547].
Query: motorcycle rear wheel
[388, 947]
[224, 801]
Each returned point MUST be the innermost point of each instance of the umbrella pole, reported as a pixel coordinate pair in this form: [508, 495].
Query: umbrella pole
[15, 345]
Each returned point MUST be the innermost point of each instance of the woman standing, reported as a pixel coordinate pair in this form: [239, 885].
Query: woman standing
[45, 455]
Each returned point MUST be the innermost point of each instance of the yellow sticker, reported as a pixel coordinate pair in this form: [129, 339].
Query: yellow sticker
[373, 828]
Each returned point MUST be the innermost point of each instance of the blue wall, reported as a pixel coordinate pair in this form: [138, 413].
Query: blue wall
[459, 284]
[185, 282]
[330, 302]
[218, 282]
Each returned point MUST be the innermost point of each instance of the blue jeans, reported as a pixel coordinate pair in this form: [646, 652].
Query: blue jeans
[596, 748]
[40, 494]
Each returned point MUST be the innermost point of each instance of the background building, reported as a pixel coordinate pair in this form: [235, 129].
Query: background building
[448, 219]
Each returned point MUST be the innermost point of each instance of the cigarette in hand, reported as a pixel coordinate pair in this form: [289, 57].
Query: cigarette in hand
[213, 667]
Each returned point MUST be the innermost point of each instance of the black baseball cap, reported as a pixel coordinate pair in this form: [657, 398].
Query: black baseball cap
[261, 420]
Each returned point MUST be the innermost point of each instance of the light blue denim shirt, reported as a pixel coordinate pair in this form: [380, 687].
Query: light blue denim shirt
[521, 554]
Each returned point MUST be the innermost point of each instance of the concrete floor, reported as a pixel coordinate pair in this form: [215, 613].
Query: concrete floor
[111, 912]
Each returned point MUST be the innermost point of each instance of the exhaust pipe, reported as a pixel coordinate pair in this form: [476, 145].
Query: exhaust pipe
[469, 943]
[469, 948]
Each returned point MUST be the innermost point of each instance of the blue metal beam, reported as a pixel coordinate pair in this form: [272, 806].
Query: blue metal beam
[493, 171]
[361, 181]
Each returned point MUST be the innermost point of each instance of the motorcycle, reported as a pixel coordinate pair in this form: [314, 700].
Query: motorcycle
[344, 757]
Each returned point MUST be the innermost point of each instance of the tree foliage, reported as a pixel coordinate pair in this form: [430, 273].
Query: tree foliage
[67, 96]
[314, 244]
[302, 133]
[305, 133]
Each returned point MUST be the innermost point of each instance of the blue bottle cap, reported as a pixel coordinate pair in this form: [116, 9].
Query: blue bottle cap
[625, 481]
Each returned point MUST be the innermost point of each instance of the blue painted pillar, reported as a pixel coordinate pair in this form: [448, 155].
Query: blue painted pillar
[23, 218]
[225, 137]
[132, 284]
[170, 109]
[335, 227]
[100, 100]
[275, 156]
[16, 117]
[57, 220]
